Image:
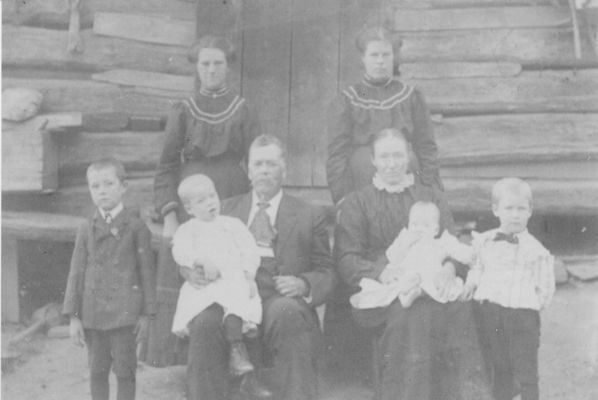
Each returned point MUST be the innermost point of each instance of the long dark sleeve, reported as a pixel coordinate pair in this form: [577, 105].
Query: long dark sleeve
[351, 244]
[424, 142]
[167, 171]
[73, 295]
[339, 132]
[321, 277]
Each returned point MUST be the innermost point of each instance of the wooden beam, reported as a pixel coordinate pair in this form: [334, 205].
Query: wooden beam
[530, 92]
[480, 18]
[314, 72]
[448, 70]
[10, 280]
[92, 97]
[555, 168]
[467, 3]
[157, 30]
[155, 80]
[45, 48]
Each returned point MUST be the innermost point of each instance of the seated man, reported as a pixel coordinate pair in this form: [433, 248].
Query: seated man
[295, 276]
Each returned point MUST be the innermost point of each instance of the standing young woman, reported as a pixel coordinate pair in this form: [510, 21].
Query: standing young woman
[377, 102]
[208, 133]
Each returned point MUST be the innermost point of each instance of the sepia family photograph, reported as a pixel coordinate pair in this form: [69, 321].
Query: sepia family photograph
[299, 199]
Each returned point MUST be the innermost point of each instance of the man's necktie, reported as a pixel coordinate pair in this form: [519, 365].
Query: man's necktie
[108, 218]
[506, 237]
[261, 228]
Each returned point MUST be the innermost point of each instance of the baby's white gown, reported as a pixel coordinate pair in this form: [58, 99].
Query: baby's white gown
[226, 245]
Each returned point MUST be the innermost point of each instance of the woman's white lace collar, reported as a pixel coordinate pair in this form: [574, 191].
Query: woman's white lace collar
[379, 184]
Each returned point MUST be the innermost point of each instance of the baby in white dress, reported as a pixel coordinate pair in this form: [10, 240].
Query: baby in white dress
[416, 258]
[226, 251]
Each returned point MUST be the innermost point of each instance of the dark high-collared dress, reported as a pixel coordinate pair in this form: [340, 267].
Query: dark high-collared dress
[363, 110]
[210, 134]
[428, 351]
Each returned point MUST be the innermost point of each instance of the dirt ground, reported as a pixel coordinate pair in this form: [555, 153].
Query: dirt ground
[54, 369]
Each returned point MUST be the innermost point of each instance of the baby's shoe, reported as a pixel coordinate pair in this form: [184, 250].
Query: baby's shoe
[407, 298]
[239, 363]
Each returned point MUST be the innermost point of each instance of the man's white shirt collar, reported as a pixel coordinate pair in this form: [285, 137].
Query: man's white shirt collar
[113, 213]
[272, 210]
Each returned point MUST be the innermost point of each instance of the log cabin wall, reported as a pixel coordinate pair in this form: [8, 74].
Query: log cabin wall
[507, 93]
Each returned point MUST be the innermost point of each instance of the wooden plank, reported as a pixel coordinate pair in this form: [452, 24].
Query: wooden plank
[437, 70]
[466, 3]
[92, 97]
[550, 196]
[29, 154]
[313, 76]
[481, 18]
[550, 169]
[531, 91]
[54, 13]
[158, 30]
[50, 122]
[156, 80]
[540, 48]
[267, 62]
[10, 280]
[46, 48]
[138, 151]
[504, 138]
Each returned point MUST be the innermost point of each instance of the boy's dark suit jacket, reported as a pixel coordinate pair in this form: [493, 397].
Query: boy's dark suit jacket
[112, 277]
[301, 247]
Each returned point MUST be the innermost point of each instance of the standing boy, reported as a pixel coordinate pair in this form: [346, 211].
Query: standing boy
[110, 291]
[513, 279]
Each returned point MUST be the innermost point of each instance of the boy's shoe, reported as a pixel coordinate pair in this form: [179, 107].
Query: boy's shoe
[239, 363]
[407, 298]
[252, 387]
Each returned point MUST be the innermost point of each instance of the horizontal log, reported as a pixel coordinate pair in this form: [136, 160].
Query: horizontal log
[466, 3]
[46, 48]
[138, 151]
[481, 18]
[129, 77]
[55, 13]
[464, 196]
[52, 227]
[510, 138]
[584, 169]
[158, 30]
[91, 97]
[49, 122]
[436, 70]
[529, 92]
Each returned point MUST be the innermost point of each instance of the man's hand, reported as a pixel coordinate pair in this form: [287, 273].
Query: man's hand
[142, 329]
[291, 286]
[390, 274]
[76, 332]
[195, 276]
[444, 279]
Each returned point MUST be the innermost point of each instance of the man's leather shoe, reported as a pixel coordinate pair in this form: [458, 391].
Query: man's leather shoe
[239, 363]
[251, 386]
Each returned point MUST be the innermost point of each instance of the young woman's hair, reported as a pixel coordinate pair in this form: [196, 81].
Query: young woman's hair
[212, 42]
[109, 162]
[514, 186]
[380, 34]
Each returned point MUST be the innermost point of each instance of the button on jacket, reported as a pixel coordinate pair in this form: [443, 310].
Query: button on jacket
[112, 276]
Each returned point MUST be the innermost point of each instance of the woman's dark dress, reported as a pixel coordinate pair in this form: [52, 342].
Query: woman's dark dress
[209, 134]
[363, 110]
[428, 351]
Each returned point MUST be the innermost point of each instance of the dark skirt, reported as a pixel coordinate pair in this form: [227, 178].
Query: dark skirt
[164, 348]
[429, 351]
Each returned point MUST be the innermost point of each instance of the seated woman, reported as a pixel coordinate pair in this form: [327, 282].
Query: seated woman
[429, 350]
[378, 102]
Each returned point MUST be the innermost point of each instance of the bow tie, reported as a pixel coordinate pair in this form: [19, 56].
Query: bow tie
[506, 237]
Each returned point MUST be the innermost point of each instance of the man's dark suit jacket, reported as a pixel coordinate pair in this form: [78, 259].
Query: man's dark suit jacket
[301, 247]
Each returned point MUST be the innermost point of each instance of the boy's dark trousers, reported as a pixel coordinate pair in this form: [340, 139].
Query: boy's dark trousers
[510, 339]
[114, 348]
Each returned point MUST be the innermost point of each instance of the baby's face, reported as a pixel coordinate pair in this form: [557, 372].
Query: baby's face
[424, 223]
[204, 205]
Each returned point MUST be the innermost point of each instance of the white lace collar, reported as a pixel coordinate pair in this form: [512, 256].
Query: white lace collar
[379, 184]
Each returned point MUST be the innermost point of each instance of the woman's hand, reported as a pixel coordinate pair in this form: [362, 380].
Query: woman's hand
[171, 223]
[195, 276]
[444, 280]
[468, 291]
[76, 332]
